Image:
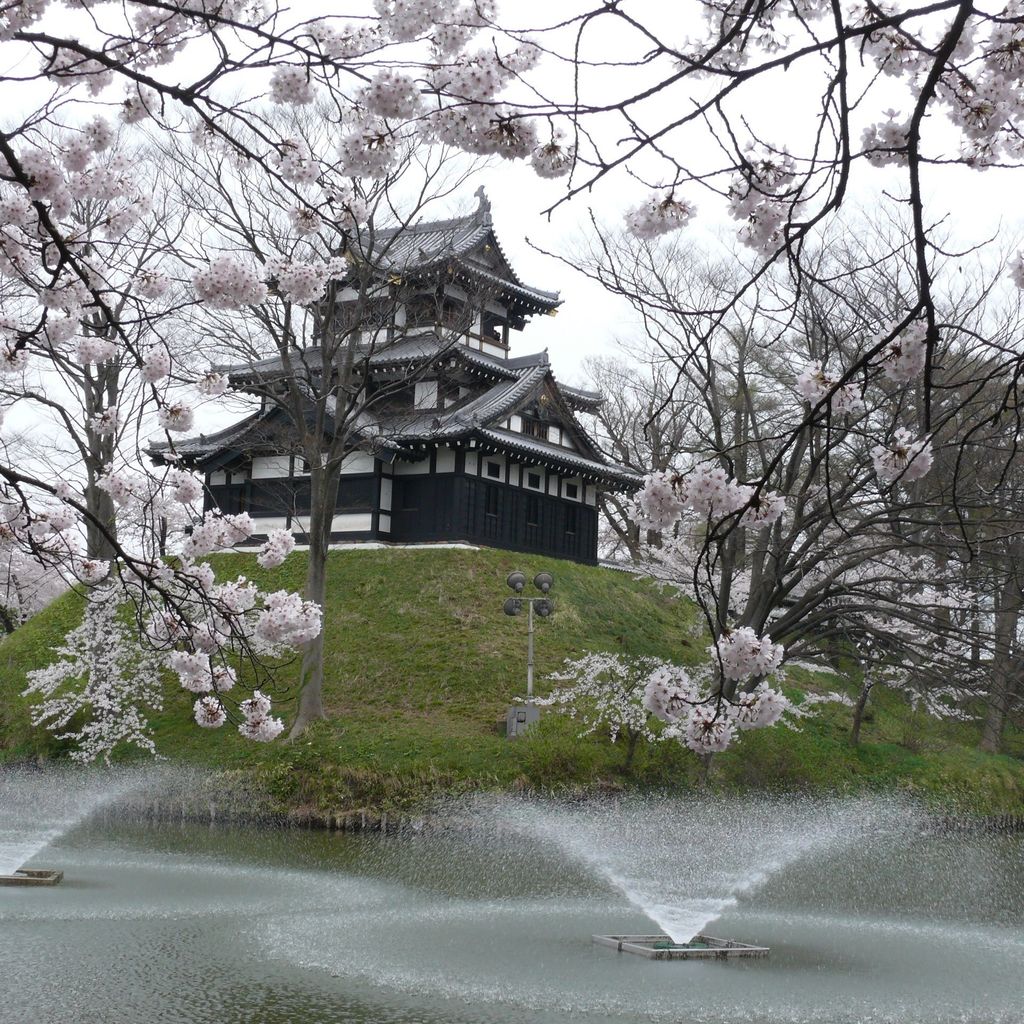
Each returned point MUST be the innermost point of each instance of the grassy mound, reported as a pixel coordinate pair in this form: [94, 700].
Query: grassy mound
[422, 664]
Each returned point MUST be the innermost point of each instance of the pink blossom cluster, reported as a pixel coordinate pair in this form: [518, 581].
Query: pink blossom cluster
[744, 655]
[392, 94]
[707, 729]
[228, 283]
[813, 384]
[93, 349]
[555, 158]
[478, 77]
[669, 692]
[701, 721]
[291, 84]
[659, 214]
[156, 364]
[759, 199]
[288, 620]
[886, 142]
[904, 357]
[176, 415]
[1017, 270]
[217, 531]
[258, 723]
[709, 491]
[295, 162]
[209, 712]
[187, 488]
[105, 423]
[449, 24]
[368, 149]
[903, 457]
[152, 284]
[298, 282]
[12, 358]
[278, 546]
[124, 486]
[212, 384]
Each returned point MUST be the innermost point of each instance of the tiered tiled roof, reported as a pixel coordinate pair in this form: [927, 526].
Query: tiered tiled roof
[454, 246]
[466, 247]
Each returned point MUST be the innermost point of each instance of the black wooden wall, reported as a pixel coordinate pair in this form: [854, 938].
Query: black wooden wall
[442, 507]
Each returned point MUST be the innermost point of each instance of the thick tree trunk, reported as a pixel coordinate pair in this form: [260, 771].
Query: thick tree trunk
[101, 523]
[323, 498]
[858, 711]
[1005, 666]
[99, 542]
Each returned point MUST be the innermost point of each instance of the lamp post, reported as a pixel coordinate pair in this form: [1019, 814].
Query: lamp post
[520, 717]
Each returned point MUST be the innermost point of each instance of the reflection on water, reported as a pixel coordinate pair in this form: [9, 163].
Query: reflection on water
[870, 919]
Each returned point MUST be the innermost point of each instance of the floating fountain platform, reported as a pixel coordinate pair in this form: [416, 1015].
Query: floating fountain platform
[662, 947]
[32, 876]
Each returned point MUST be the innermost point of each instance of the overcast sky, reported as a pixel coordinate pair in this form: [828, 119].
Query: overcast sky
[591, 321]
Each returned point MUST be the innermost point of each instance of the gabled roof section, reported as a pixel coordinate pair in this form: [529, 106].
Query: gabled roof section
[464, 248]
[430, 346]
[580, 399]
[203, 446]
[553, 454]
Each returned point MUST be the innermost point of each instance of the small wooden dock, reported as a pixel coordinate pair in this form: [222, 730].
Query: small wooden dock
[32, 876]
[662, 947]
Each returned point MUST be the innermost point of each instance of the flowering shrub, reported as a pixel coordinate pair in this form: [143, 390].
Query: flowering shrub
[619, 694]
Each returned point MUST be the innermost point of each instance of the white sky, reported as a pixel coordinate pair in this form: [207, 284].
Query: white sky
[590, 321]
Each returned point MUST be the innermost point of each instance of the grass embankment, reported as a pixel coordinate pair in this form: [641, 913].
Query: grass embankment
[422, 664]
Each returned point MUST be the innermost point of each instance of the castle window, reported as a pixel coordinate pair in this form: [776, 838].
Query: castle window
[535, 428]
[572, 491]
[533, 480]
[494, 470]
[570, 520]
[491, 502]
[492, 327]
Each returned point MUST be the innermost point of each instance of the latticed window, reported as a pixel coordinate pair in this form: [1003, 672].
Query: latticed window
[535, 428]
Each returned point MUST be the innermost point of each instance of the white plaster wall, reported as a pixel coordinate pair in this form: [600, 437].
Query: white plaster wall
[499, 461]
[426, 394]
[264, 524]
[384, 523]
[357, 462]
[350, 522]
[579, 488]
[412, 468]
[385, 493]
[445, 460]
[270, 467]
[527, 470]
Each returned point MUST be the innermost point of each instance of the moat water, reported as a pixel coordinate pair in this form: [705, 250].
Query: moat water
[486, 916]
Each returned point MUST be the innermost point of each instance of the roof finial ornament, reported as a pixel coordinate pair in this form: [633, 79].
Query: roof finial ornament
[484, 205]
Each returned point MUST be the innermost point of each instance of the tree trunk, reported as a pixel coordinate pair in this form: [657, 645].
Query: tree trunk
[1004, 666]
[323, 499]
[99, 543]
[858, 711]
[634, 738]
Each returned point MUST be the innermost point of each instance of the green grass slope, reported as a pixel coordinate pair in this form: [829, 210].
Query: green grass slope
[422, 664]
